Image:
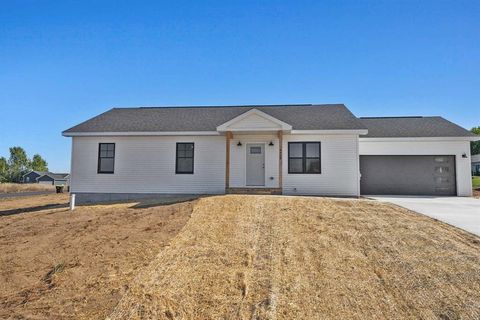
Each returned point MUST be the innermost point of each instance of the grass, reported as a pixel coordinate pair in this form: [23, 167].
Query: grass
[264, 257]
[24, 187]
[476, 182]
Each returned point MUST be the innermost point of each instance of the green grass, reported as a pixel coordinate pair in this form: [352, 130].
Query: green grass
[476, 181]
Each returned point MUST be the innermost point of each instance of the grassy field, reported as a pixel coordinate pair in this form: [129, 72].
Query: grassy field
[476, 182]
[24, 187]
[236, 257]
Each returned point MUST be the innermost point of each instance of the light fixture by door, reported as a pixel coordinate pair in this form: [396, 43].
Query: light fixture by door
[239, 144]
[271, 144]
[464, 155]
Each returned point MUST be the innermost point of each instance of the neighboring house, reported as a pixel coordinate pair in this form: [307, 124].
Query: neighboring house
[46, 177]
[31, 177]
[56, 179]
[476, 164]
[289, 149]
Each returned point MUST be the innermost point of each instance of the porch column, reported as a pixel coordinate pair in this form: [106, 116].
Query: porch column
[227, 160]
[280, 157]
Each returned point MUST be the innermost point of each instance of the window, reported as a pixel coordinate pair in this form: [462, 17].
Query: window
[106, 157]
[184, 163]
[304, 157]
[255, 150]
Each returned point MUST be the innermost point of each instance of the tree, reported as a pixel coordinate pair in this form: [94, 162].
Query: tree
[38, 163]
[17, 163]
[3, 169]
[475, 145]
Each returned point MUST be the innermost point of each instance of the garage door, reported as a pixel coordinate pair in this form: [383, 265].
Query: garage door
[408, 175]
[46, 182]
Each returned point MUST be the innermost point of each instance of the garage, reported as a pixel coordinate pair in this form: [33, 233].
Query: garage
[46, 182]
[408, 175]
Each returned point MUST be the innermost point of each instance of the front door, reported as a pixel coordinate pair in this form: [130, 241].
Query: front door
[255, 165]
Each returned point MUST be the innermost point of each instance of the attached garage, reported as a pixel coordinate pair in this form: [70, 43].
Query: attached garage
[408, 175]
[415, 156]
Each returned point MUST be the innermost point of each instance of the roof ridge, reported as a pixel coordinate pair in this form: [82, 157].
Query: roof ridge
[397, 117]
[235, 106]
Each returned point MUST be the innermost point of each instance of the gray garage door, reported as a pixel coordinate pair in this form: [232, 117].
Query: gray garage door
[408, 175]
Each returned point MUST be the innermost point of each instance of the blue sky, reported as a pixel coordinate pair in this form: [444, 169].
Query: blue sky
[62, 62]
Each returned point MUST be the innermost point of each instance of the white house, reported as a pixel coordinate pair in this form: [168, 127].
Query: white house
[284, 149]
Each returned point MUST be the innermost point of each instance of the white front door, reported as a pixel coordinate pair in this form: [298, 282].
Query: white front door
[255, 175]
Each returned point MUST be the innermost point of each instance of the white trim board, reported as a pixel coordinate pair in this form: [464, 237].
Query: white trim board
[141, 133]
[399, 139]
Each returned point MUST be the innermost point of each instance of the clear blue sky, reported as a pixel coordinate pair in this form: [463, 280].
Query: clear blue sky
[62, 62]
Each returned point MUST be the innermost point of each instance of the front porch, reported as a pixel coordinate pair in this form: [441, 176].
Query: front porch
[254, 151]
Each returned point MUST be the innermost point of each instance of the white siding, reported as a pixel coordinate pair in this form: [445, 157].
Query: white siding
[340, 167]
[419, 147]
[147, 165]
[254, 121]
[238, 157]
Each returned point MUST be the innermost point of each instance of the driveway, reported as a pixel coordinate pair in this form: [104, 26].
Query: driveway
[461, 212]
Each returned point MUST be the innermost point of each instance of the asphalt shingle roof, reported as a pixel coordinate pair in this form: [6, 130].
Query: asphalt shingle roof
[56, 176]
[403, 127]
[157, 119]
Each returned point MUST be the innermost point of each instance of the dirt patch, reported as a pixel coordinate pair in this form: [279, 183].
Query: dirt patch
[20, 203]
[263, 257]
[476, 193]
[58, 264]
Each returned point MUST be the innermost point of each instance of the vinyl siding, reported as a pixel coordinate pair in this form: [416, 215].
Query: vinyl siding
[419, 147]
[32, 177]
[238, 158]
[339, 165]
[147, 165]
[253, 122]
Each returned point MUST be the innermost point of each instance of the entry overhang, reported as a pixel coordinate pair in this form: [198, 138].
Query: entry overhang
[254, 120]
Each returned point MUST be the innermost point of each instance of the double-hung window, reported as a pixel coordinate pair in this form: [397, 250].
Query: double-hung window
[304, 157]
[184, 158]
[106, 158]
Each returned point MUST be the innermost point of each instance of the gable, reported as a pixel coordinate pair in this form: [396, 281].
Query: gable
[45, 178]
[254, 120]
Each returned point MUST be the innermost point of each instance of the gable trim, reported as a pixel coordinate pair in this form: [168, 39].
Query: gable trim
[225, 126]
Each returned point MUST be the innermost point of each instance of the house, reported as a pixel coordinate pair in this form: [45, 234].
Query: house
[31, 176]
[56, 179]
[45, 177]
[289, 149]
[476, 164]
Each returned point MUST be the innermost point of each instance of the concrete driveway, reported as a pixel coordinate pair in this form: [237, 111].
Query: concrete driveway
[461, 212]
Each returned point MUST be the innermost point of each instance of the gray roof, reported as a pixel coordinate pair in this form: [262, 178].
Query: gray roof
[389, 127]
[157, 119]
[56, 176]
[40, 173]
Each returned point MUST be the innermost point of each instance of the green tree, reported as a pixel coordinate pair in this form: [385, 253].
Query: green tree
[3, 169]
[475, 145]
[17, 163]
[38, 163]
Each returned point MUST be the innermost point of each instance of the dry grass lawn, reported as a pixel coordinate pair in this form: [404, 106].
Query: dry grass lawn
[235, 257]
[24, 187]
[55, 264]
[261, 257]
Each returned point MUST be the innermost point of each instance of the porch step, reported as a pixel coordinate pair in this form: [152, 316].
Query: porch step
[254, 190]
